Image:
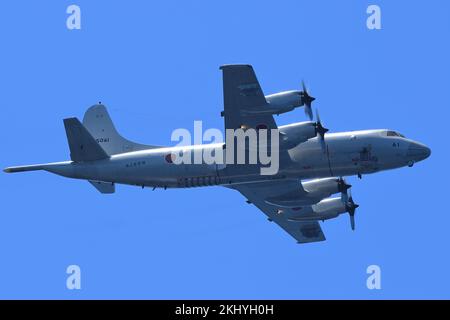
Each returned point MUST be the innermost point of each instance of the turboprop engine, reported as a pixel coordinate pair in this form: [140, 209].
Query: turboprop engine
[323, 188]
[293, 134]
[286, 101]
[330, 208]
[316, 189]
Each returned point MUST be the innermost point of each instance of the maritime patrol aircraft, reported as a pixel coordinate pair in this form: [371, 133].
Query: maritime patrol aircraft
[312, 162]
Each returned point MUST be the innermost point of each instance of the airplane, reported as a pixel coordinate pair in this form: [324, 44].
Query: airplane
[312, 161]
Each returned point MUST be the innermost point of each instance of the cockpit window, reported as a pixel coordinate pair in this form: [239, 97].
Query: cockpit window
[394, 134]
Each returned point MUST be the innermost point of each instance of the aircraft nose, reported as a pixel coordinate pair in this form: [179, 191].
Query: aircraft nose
[417, 151]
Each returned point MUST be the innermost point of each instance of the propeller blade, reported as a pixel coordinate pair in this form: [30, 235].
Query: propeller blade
[308, 111]
[320, 131]
[352, 221]
[344, 198]
[307, 101]
[351, 208]
[343, 185]
[343, 189]
[304, 86]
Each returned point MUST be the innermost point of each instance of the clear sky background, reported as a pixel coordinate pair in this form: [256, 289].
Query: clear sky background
[155, 65]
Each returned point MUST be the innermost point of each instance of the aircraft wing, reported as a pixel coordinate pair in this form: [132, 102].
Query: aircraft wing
[243, 98]
[256, 193]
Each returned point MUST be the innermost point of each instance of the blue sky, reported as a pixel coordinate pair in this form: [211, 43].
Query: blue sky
[155, 65]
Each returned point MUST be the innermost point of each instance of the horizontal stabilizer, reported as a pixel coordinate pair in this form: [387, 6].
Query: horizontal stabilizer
[83, 146]
[104, 187]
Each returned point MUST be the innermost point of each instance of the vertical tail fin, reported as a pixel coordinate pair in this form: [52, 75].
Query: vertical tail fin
[99, 124]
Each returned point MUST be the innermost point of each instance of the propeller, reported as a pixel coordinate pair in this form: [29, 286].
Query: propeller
[351, 207]
[307, 101]
[343, 189]
[320, 130]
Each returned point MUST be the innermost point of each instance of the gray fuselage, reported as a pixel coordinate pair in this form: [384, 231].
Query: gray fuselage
[345, 154]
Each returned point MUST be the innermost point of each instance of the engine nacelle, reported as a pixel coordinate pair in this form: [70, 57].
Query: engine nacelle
[322, 188]
[284, 101]
[316, 189]
[293, 134]
[328, 208]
